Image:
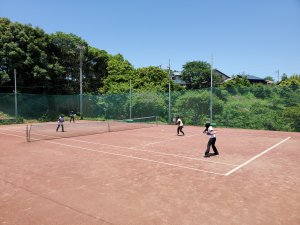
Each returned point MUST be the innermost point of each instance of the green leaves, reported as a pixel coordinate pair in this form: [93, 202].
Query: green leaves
[4, 78]
[292, 81]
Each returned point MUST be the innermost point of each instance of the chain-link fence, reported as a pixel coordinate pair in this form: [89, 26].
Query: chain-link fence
[255, 107]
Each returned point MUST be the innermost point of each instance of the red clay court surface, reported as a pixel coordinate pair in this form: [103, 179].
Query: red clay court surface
[150, 176]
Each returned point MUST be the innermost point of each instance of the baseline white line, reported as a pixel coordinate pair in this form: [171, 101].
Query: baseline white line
[136, 158]
[253, 158]
[160, 153]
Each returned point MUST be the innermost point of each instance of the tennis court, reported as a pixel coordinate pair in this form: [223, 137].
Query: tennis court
[150, 176]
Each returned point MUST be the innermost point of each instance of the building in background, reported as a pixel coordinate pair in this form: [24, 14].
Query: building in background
[254, 80]
[176, 77]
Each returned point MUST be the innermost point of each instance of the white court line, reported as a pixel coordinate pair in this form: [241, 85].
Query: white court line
[137, 158]
[131, 157]
[253, 158]
[172, 139]
[160, 153]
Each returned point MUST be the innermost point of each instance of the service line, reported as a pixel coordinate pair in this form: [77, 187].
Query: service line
[255, 157]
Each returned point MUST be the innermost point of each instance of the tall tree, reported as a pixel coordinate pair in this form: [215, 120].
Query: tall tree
[66, 50]
[96, 69]
[152, 78]
[25, 49]
[197, 74]
[120, 71]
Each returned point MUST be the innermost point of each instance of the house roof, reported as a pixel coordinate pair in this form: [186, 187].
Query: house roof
[251, 77]
[223, 74]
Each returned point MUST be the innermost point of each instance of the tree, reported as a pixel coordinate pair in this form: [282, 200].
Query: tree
[66, 54]
[96, 69]
[293, 80]
[197, 74]
[269, 78]
[293, 115]
[25, 49]
[237, 81]
[153, 78]
[119, 73]
[193, 106]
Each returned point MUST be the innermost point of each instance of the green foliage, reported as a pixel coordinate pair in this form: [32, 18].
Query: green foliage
[237, 81]
[262, 91]
[153, 78]
[47, 63]
[4, 77]
[197, 74]
[120, 71]
[278, 111]
[293, 116]
[148, 104]
[247, 112]
[269, 78]
[96, 69]
[193, 106]
[292, 81]
[113, 106]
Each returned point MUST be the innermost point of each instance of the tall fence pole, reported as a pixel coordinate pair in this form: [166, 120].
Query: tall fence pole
[130, 102]
[211, 89]
[81, 47]
[16, 95]
[169, 119]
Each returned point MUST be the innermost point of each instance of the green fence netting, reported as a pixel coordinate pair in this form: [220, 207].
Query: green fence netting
[254, 107]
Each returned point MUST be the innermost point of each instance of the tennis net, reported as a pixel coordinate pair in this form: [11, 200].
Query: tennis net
[47, 131]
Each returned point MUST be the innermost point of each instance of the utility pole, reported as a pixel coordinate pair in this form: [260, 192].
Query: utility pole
[81, 48]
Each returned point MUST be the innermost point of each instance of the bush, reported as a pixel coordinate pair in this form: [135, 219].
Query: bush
[194, 107]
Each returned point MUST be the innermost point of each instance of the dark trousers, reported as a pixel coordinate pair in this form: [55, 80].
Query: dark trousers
[180, 129]
[72, 119]
[62, 127]
[211, 142]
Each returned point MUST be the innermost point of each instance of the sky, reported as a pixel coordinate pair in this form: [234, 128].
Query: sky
[255, 37]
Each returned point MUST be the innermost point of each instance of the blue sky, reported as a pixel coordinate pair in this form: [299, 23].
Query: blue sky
[256, 37]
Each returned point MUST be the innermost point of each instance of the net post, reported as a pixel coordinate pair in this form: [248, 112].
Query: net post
[28, 133]
[108, 126]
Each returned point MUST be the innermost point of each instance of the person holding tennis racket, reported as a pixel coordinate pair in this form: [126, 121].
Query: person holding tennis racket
[60, 122]
[211, 140]
[180, 125]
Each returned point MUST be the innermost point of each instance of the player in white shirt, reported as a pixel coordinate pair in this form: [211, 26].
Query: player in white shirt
[60, 122]
[209, 131]
[180, 125]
